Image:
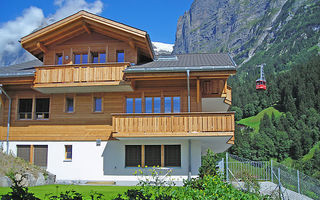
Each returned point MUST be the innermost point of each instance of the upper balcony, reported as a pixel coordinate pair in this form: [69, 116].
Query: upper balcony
[173, 124]
[91, 77]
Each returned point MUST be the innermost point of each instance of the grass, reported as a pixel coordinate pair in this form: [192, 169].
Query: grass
[254, 121]
[310, 154]
[42, 192]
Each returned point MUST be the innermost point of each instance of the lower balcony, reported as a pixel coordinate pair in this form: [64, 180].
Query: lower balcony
[173, 124]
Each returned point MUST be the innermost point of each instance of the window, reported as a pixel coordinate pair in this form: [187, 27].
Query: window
[80, 58]
[176, 104]
[172, 155]
[25, 109]
[68, 152]
[97, 104]
[120, 56]
[172, 104]
[42, 108]
[153, 155]
[157, 105]
[133, 155]
[69, 105]
[102, 58]
[148, 104]
[133, 105]
[94, 57]
[152, 104]
[23, 151]
[167, 104]
[40, 156]
[59, 59]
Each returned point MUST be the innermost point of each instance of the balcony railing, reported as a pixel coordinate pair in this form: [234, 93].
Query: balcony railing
[173, 124]
[84, 73]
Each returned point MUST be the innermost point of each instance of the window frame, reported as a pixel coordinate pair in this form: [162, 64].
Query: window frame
[35, 108]
[165, 155]
[117, 56]
[57, 58]
[66, 104]
[81, 57]
[66, 152]
[94, 103]
[139, 155]
[18, 109]
[34, 98]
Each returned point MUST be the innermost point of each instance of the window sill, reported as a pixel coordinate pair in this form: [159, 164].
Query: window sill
[68, 160]
[32, 120]
[97, 112]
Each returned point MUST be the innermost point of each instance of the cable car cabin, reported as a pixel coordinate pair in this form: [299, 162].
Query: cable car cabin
[261, 85]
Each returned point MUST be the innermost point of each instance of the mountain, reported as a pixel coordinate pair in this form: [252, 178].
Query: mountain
[241, 27]
[162, 48]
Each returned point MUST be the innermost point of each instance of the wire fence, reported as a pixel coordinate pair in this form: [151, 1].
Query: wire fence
[290, 179]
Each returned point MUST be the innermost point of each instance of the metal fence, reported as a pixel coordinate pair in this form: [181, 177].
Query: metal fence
[236, 167]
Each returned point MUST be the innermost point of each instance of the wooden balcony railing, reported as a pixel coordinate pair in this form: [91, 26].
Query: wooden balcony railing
[84, 73]
[173, 124]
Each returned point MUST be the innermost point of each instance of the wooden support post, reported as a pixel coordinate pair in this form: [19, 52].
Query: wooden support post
[42, 47]
[162, 155]
[142, 156]
[86, 28]
[198, 91]
[31, 153]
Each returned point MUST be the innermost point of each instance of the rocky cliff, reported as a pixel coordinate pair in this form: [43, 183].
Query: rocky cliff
[235, 26]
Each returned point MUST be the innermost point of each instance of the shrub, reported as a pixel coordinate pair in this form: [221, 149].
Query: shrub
[208, 164]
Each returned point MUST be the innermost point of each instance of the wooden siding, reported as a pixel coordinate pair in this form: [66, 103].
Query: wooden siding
[79, 73]
[173, 124]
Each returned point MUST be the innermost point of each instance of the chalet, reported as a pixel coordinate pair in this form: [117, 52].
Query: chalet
[97, 104]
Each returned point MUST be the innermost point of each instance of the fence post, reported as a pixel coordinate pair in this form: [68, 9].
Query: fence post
[271, 171]
[222, 166]
[298, 181]
[280, 190]
[227, 168]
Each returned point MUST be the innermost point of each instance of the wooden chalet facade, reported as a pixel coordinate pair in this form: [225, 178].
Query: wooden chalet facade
[97, 103]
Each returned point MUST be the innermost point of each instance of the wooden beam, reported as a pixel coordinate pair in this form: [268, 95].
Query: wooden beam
[162, 155]
[86, 28]
[142, 156]
[198, 91]
[131, 44]
[42, 47]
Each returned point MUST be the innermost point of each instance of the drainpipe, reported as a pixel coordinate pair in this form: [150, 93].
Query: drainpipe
[9, 116]
[189, 141]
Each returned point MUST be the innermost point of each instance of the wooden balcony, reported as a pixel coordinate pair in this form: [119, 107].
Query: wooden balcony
[173, 124]
[91, 77]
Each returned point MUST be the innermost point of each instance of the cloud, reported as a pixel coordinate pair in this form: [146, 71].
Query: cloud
[33, 18]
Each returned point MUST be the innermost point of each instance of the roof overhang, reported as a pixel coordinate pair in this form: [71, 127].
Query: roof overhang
[84, 22]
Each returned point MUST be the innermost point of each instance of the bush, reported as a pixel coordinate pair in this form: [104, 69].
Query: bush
[208, 164]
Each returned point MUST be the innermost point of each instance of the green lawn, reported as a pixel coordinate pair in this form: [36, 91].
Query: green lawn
[254, 121]
[109, 192]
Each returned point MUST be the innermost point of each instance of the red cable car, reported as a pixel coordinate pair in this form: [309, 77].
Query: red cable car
[261, 82]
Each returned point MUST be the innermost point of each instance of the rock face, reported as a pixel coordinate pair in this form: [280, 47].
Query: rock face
[28, 179]
[224, 25]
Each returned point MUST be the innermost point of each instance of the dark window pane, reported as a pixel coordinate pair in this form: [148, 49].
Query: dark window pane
[176, 104]
[59, 59]
[148, 102]
[40, 156]
[167, 104]
[77, 59]
[172, 155]
[68, 152]
[129, 105]
[152, 155]
[84, 58]
[69, 105]
[25, 109]
[133, 155]
[102, 57]
[157, 104]
[42, 108]
[120, 56]
[95, 57]
[97, 104]
[137, 105]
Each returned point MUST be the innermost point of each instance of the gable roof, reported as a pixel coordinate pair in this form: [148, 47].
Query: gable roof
[19, 70]
[183, 62]
[81, 22]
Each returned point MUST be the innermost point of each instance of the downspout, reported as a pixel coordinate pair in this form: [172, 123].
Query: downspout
[9, 116]
[189, 141]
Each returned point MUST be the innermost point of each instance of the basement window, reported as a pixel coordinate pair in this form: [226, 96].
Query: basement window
[25, 109]
[42, 108]
[68, 152]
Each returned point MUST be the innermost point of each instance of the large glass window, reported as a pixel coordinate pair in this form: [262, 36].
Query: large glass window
[176, 104]
[133, 155]
[97, 104]
[167, 104]
[137, 105]
[102, 57]
[120, 56]
[25, 109]
[157, 105]
[95, 57]
[42, 108]
[148, 104]
[129, 105]
[153, 155]
[80, 58]
[172, 155]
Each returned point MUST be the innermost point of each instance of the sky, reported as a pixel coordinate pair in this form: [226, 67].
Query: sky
[157, 17]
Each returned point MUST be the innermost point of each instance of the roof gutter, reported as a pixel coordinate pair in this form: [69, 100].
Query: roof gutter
[9, 116]
[9, 75]
[178, 69]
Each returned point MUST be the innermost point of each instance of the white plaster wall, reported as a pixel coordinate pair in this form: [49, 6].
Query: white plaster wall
[107, 162]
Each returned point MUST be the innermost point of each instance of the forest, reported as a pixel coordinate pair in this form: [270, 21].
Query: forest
[290, 136]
